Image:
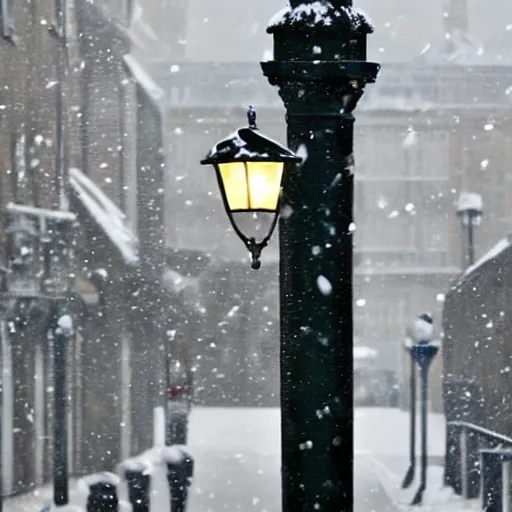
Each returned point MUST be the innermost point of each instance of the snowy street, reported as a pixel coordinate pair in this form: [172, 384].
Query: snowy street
[238, 463]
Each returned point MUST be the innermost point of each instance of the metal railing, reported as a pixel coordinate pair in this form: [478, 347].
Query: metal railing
[474, 457]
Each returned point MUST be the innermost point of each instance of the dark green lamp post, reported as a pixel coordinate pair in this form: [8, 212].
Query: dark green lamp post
[250, 169]
[320, 69]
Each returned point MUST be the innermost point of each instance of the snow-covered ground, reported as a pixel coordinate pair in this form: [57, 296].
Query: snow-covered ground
[382, 438]
[237, 456]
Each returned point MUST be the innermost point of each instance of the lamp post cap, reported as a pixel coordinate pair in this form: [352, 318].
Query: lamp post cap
[421, 330]
[469, 201]
[328, 14]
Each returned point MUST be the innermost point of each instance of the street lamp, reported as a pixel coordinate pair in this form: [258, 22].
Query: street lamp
[321, 72]
[423, 348]
[250, 168]
[470, 212]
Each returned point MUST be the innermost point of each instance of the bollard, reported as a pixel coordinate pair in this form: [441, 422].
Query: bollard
[495, 480]
[102, 493]
[138, 478]
[180, 470]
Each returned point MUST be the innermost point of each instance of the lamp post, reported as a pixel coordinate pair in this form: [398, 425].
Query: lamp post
[423, 350]
[40, 251]
[321, 70]
[470, 212]
[409, 476]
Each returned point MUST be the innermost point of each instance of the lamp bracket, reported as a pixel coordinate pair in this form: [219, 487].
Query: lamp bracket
[255, 248]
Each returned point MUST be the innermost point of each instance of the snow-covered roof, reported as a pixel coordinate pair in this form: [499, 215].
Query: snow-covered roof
[106, 214]
[113, 223]
[499, 248]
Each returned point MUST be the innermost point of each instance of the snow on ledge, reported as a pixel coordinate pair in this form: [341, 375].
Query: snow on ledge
[362, 352]
[106, 214]
[142, 77]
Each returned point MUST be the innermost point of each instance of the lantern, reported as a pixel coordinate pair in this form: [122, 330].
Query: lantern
[250, 169]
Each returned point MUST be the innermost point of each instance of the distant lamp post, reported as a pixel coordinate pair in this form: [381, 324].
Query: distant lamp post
[411, 471]
[250, 168]
[423, 349]
[470, 213]
[40, 254]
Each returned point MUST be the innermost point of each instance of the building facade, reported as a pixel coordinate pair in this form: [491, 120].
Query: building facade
[82, 133]
[434, 125]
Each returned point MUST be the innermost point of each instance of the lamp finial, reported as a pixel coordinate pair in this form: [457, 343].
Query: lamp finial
[251, 116]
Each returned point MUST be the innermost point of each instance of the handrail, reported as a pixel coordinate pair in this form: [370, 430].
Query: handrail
[463, 459]
[482, 431]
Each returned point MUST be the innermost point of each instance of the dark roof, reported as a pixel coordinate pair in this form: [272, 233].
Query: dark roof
[229, 30]
[490, 262]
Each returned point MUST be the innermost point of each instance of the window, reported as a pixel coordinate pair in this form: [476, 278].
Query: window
[19, 177]
[384, 232]
[6, 23]
[382, 318]
[379, 153]
[434, 230]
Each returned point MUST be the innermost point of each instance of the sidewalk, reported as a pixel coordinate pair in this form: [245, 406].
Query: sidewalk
[382, 437]
[42, 497]
[237, 454]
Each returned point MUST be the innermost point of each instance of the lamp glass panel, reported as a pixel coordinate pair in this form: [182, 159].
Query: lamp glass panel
[234, 180]
[264, 184]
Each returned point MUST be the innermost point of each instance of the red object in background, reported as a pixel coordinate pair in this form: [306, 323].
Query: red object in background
[176, 391]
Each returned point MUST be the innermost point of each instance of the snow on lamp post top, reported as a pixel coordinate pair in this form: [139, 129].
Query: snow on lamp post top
[421, 331]
[470, 208]
[335, 14]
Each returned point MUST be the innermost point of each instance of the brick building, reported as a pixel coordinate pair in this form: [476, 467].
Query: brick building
[82, 128]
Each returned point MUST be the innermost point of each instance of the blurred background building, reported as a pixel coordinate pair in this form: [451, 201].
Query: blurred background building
[437, 123]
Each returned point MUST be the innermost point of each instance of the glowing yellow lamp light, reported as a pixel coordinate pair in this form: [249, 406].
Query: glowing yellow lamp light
[250, 169]
[252, 186]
